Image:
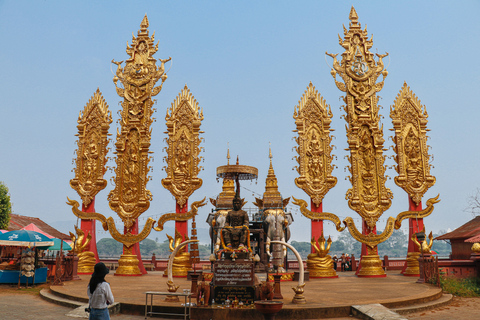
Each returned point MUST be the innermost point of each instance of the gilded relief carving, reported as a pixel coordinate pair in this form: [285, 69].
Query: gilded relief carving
[360, 72]
[313, 117]
[136, 84]
[409, 119]
[93, 125]
[183, 121]
[369, 197]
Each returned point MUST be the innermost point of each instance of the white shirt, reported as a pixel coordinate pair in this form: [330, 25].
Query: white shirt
[101, 297]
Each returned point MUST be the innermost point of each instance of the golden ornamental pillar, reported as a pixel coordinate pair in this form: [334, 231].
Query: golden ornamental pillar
[312, 119]
[93, 125]
[369, 196]
[135, 83]
[409, 119]
[183, 158]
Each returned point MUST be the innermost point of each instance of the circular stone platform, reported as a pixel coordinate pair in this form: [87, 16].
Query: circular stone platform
[326, 298]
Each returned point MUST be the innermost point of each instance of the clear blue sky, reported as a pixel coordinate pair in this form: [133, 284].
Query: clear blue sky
[247, 63]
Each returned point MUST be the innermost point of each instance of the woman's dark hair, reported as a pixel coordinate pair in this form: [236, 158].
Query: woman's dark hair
[98, 276]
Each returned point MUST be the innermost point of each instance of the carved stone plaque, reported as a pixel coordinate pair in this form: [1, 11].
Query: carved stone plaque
[233, 273]
[242, 293]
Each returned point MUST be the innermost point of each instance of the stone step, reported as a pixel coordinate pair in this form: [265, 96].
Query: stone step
[378, 312]
[79, 307]
[444, 300]
[48, 295]
[374, 312]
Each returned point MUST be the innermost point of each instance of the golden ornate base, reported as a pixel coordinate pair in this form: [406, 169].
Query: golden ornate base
[128, 266]
[207, 276]
[181, 265]
[413, 267]
[371, 266]
[320, 267]
[86, 262]
[322, 273]
[286, 276]
[299, 297]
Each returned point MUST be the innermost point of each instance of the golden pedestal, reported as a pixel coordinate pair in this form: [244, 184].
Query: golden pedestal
[413, 267]
[371, 266]
[128, 266]
[321, 267]
[285, 276]
[86, 262]
[181, 265]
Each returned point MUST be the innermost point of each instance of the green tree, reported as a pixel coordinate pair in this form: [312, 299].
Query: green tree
[395, 246]
[147, 247]
[301, 246]
[5, 206]
[109, 247]
[345, 243]
[441, 247]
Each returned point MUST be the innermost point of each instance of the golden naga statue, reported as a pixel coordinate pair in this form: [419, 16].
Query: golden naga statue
[181, 262]
[86, 259]
[425, 246]
[320, 263]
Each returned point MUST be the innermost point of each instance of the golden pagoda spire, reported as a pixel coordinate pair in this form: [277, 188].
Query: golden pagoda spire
[271, 197]
[228, 154]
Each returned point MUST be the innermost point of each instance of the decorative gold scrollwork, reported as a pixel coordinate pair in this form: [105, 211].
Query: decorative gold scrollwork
[180, 216]
[130, 239]
[371, 240]
[416, 214]
[108, 224]
[318, 215]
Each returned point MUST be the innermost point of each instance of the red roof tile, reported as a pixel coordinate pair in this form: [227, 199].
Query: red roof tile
[474, 239]
[468, 230]
[18, 222]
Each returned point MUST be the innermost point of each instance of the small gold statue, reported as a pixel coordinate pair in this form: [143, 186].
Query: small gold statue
[86, 259]
[425, 246]
[319, 263]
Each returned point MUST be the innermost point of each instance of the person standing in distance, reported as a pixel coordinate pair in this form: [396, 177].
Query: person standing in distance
[99, 293]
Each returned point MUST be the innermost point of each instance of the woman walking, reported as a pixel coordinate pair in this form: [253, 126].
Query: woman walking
[99, 293]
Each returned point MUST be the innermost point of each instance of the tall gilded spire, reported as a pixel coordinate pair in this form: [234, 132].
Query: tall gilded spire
[228, 155]
[271, 197]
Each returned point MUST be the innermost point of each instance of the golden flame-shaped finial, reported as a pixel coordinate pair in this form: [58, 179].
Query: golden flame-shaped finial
[228, 153]
[353, 16]
[144, 24]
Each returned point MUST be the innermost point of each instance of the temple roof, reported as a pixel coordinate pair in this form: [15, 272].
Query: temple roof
[468, 230]
[18, 222]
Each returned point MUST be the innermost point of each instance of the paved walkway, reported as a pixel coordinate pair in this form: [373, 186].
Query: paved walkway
[19, 304]
[459, 308]
[346, 290]
[24, 306]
